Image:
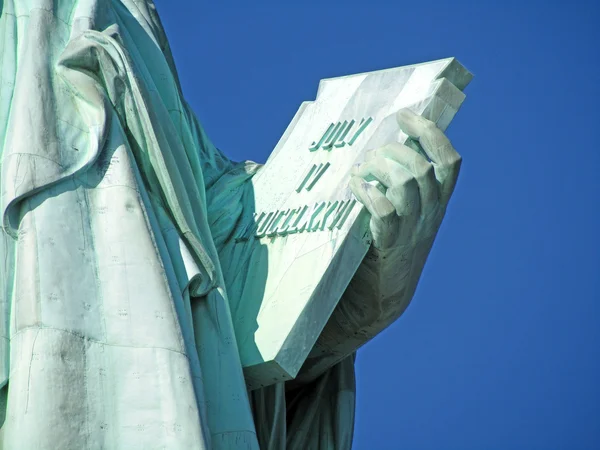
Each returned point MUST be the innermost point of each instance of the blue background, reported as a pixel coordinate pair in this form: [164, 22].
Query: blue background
[500, 347]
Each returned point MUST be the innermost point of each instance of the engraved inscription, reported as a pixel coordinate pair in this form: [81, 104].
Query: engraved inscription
[317, 217]
[314, 174]
[336, 134]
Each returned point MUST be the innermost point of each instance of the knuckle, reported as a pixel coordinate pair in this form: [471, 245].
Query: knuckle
[423, 168]
[382, 157]
[398, 195]
[454, 160]
[429, 126]
[404, 205]
[426, 179]
[410, 182]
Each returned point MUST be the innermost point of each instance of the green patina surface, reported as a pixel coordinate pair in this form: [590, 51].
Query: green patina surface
[136, 269]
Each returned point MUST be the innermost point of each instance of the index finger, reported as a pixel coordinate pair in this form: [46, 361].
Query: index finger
[446, 161]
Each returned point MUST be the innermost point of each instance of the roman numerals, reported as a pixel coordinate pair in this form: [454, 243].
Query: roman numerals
[313, 175]
[320, 216]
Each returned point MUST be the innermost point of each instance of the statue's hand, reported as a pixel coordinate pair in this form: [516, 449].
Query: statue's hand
[406, 209]
[406, 212]
[411, 200]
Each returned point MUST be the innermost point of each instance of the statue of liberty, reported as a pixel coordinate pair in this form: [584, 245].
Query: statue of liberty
[116, 278]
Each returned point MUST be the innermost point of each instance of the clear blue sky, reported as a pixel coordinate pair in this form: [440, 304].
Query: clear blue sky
[500, 348]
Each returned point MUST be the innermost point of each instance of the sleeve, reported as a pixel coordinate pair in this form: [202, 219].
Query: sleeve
[367, 307]
[227, 185]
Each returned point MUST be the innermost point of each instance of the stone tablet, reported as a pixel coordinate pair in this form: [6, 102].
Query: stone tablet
[315, 231]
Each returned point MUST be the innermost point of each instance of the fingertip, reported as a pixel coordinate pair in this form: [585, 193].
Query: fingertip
[385, 209]
[370, 154]
[407, 121]
[355, 184]
[406, 114]
[414, 125]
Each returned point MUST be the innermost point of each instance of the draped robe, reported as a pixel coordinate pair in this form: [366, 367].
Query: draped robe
[117, 213]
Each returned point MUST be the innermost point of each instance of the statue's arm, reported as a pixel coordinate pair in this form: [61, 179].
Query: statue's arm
[406, 212]
[377, 295]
